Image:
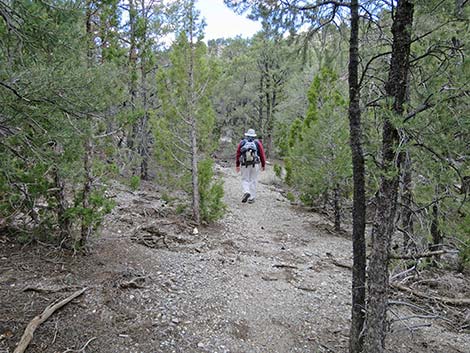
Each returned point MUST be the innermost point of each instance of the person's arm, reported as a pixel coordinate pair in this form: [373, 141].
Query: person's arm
[262, 156]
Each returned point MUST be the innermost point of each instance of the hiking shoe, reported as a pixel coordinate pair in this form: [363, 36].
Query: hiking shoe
[245, 197]
[251, 200]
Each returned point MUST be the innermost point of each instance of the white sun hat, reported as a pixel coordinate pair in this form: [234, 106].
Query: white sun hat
[250, 133]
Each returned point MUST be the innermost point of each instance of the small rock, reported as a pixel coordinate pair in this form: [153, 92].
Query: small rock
[200, 345]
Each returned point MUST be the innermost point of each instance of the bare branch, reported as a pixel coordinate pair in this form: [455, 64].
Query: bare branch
[14, 91]
[181, 163]
[316, 5]
[424, 106]
[369, 63]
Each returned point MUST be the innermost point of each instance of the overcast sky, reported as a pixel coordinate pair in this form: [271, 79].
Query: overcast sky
[223, 22]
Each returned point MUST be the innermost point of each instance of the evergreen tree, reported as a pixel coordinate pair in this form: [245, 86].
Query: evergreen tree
[319, 158]
[184, 134]
[52, 100]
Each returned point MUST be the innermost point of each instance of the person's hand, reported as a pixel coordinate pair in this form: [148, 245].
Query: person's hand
[237, 169]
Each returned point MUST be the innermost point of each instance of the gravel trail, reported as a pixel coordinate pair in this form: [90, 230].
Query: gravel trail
[269, 277]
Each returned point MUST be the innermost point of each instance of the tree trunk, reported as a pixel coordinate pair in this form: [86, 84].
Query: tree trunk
[88, 149]
[62, 206]
[87, 186]
[144, 133]
[144, 148]
[436, 234]
[192, 119]
[459, 4]
[337, 207]
[132, 60]
[261, 101]
[359, 201]
[89, 31]
[407, 198]
[384, 223]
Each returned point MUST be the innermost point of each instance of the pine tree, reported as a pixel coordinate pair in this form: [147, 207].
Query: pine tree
[52, 99]
[184, 133]
[319, 157]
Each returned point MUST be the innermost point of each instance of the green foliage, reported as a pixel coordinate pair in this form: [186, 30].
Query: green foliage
[290, 196]
[278, 170]
[186, 111]
[319, 154]
[181, 208]
[50, 94]
[289, 166]
[93, 215]
[211, 192]
[438, 137]
[134, 182]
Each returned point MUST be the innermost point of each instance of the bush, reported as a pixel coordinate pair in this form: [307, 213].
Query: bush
[211, 193]
[278, 170]
[134, 182]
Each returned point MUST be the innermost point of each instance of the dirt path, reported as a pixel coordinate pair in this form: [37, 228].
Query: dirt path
[264, 279]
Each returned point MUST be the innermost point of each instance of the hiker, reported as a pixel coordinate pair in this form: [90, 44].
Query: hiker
[250, 154]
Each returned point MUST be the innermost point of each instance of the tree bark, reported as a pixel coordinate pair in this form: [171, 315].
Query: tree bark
[459, 4]
[62, 205]
[359, 201]
[86, 193]
[384, 223]
[407, 199]
[132, 61]
[89, 31]
[337, 207]
[436, 234]
[87, 146]
[192, 119]
[144, 133]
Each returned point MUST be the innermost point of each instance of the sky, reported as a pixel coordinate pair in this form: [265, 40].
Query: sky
[223, 22]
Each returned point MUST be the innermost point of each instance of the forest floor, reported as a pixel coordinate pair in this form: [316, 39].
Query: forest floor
[269, 277]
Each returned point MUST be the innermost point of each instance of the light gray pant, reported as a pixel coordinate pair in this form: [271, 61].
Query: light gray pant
[249, 179]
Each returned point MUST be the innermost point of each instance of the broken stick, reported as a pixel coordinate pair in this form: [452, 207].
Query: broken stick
[38, 320]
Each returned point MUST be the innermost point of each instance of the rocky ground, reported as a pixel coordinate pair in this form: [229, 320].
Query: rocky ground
[269, 277]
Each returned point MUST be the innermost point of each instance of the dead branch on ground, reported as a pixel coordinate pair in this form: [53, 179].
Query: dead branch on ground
[445, 300]
[134, 283]
[419, 256]
[285, 266]
[68, 350]
[46, 290]
[38, 320]
[339, 264]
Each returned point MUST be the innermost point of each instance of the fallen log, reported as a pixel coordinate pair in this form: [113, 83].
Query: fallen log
[444, 300]
[38, 320]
